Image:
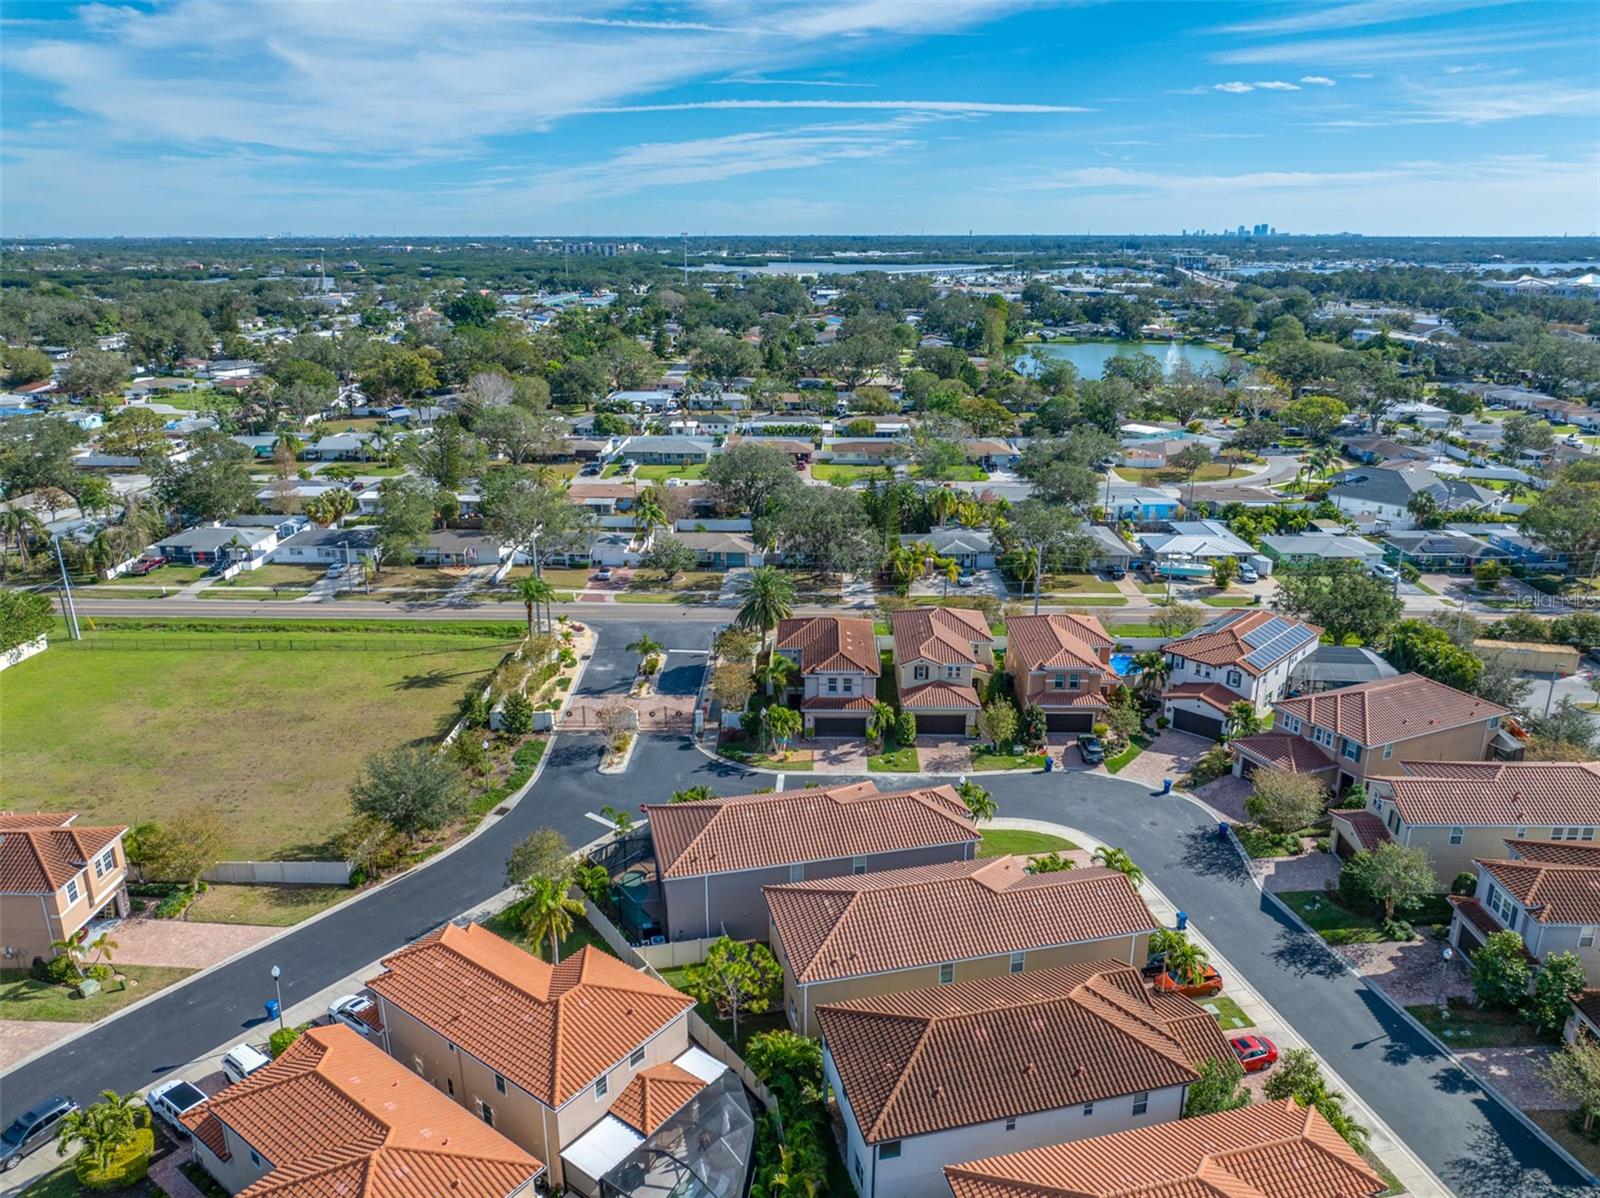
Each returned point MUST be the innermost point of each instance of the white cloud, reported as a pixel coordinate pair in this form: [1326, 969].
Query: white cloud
[954, 106]
[1279, 85]
[1235, 87]
[1349, 16]
[1477, 104]
[1318, 80]
[1400, 47]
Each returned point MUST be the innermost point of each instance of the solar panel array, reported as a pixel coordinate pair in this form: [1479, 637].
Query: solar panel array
[1275, 639]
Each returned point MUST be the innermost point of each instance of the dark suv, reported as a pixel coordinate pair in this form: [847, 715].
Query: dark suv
[33, 1129]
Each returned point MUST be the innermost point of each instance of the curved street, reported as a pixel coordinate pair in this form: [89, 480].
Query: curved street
[1463, 1135]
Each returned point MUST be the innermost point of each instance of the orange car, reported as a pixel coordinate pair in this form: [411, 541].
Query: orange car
[1210, 983]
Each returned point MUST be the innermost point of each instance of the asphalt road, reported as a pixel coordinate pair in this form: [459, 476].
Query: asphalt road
[1462, 1134]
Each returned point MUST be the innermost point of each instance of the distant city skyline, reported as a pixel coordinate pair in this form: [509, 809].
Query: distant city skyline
[213, 118]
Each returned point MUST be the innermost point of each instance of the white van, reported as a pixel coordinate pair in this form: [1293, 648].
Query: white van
[240, 1062]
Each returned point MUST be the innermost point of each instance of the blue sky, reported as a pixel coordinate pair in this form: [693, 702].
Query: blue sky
[230, 117]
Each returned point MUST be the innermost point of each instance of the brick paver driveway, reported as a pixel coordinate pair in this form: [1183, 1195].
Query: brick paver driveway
[178, 942]
[839, 755]
[23, 1037]
[940, 755]
[1169, 756]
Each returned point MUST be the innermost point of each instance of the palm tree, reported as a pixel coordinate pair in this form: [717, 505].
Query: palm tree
[942, 504]
[950, 568]
[22, 527]
[784, 723]
[1185, 962]
[646, 646]
[1243, 719]
[980, 803]
[648, 513]
[533, 592]
[1154, 670]
[693, 794]
[548, 914]
[777, 674]
[766, 596]
[906, 564]
[71, 947]
[102, 1128]
[1049, 863]
[1119, 860]
[102, 946]
[882, 722]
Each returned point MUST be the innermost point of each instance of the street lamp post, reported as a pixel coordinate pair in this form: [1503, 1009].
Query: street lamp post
[278, 986]
[1444, 980]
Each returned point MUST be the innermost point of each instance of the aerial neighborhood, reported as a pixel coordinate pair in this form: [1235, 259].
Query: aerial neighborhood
[501, 718]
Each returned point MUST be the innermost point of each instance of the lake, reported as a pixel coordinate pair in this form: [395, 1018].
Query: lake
[1090, 357]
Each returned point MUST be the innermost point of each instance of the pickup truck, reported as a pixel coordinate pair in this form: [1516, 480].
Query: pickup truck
[146, 564]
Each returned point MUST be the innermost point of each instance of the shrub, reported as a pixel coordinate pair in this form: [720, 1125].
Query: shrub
[1397, 929]
[905, 728]
[1214, 763]
[1162, 721]
[475, 710]
[1355, 799]
[516, 716]
[278, 1043]
[1500, 972]
[126, 1166]
[1101, 729]
[1464, 883]
[1285, 802]
[1559, 980]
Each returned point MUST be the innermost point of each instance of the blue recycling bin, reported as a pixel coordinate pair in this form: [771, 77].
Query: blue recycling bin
[1049, 763]
[1166, 786]
[1183, 920]
[1222, 829]
[272, 1008]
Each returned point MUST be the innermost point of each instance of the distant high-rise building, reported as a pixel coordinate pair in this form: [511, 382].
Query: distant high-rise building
[1241, 231]
[1259, 231]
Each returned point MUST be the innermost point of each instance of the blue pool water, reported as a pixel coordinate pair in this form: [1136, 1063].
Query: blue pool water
[1122, 664]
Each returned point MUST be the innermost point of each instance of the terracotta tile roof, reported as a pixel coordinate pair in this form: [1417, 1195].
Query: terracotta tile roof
[1061, 640]
[1266, 1150]
[1283, 752]
[1369, 830]
[1552, 892]
[1561, 852]
[581, 491]
[948, 1056]
[1390, 709]
[1588, 1004]
[1213, 694]
[654, 1096]
[551, 1030]
[901, 918]
[1475, 913]
[41, 852]
[1054, 700]
[1253, 641]
[336, 1115]
[831, 643]
[939, 694]
[837, 703]
[1498, 793]
[941, 634]
[815, 824]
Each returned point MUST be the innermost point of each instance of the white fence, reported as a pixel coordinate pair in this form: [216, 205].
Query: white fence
[20, 653]
[292, 873]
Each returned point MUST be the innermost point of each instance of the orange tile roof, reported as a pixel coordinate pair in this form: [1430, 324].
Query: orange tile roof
[1562, 852]
[941, 634]
[1058, 641]
[1213, 694]
[902, 918]
[550, 1029]
[41, 852]
[654, 1096]
[337, 1116]
[1368, 828]
[1220, 642]
[1551, 891]
[1284, 752]
[1390, 709]
[1054, 700]
[939, 694]
[948, 1056]
[816, 824]
[1267, 1150]
[1498, 793]
[831, 643]
[837, 703]
[1475, 913]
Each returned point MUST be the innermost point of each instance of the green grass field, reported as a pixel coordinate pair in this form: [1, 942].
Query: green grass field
[1016, 842]
[1226, 1012]
[273, 736]
[1147, 475]
[263, 906]
[1467, 1026]
[23, 998]
[828, 472]
[899, 761]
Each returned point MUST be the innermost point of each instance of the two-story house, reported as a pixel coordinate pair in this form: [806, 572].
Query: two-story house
[1464, 811]
[714, 856]
[1242, 656]
[1061, 663]
[539, 1052]
[1348, 735]
[932, 1077]
[333, 1115]
[1548, 892]
[836, 659]
[55, 878]
[941, 656]
[861, 934]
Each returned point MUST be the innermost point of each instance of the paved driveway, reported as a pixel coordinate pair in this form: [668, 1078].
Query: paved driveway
[839, 755]
[178, 942]
[1168, 756]
[941, 755]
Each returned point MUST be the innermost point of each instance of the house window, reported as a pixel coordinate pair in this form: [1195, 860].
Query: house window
[1394, 820]
[833, 686]
[889, 1150]
[1388, 752]
[1058, 682]
[255, 1159]
[1141, 1102]
[636, 1058]
[1016, 962]
[1588, 834]
[1011, 1123]
[947, 973]
[919, 673]
[952, 673]
[1456, 835]
[499, 1083]
[858, 865]
[861, 1178]
[1292, 723]
[450, 1086]
[1235, 678]
[1586, 936]
[1088, 1109]
[72, 890]
[486, 1112]
[601, 1086]
[848, 685]
[1072, 682]
[797, 872]
[1352, 750]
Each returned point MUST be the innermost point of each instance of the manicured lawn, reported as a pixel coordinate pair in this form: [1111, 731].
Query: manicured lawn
[1467, 1026]
[657, 474]
[272, 574]
[1228, 600]
[957, 474]
[166, 576]
[264, 906]
[1017, 842]
[1334, 923]
[575, 578]
[827, 472]
[1083, 584]
[1088, 600]
[794, 761]
[23, 998]
[126, 727]
[246, 596]
[690, 580]
[1226, 1012]
[1134, 747]
[507, 925]
[1007, 761]
[1133, 630]
[900, 761]
[62, 1182]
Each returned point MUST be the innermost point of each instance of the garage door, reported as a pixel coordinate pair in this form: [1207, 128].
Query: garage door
[1191, 721]
[1069, 721]
[1247, 768]
[840, 726]
[941, 725]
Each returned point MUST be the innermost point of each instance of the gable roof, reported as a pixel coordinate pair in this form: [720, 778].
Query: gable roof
[940, 634]
[816, 824]
[1551, 891]
[902, 918]
[1059, 640]
[1266, 1150]
[831, 643]
[950, 539]
[337, 1115]
[1497, 793]
[1390, 709]
[551, 1029]
[1253, 641]
[949, 1056]
[40, 852]
[1560, 852]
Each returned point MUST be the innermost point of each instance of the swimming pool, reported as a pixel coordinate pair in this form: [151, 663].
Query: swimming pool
[1122, 664]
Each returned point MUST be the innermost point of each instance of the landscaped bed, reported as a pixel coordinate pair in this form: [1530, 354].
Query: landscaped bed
[1467, 1026]
[1117, 761]
[21, 997]
[1338, 924]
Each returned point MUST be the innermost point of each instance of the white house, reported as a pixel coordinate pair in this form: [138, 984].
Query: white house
[1245, 655]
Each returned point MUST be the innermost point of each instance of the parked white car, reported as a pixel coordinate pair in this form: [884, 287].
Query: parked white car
[349, 1011]
[240, 1062]
[173, 1100]
[1385, 572]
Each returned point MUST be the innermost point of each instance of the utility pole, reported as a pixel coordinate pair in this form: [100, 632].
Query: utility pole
[66, 590]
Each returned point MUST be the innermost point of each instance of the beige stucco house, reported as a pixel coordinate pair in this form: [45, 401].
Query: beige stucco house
[55, 877]
[1062, 664]
[837, 669]
[1548, 892]
[942, 657]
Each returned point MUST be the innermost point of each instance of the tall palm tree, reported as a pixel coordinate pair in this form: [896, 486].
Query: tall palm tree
[784, 723]
[534, 592]
[942, 504]
[1119, 860]
[648, 513]
[1154, 670]
[548, 913]
[20, 527]
[777, 674]
[980, 803]
[766, 596]
[882, 722]
[1243, 719]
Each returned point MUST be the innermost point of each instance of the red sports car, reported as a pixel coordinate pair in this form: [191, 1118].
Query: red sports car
[1255, 1053]
[1209, 984]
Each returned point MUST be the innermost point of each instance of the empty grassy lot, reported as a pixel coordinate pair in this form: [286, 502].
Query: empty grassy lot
[135, 723]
